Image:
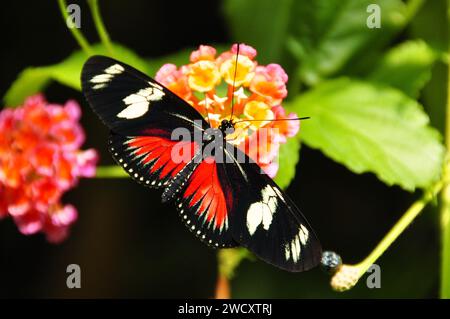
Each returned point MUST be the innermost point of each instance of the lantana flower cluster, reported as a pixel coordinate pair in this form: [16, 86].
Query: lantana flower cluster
[207, 84]
[40, 159]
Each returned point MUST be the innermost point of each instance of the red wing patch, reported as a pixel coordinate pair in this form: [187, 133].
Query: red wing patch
[205, 205]
[205, 190]
[152, 160]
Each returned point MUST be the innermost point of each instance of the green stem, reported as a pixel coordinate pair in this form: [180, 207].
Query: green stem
[100, 26]
[445, 197]
[346, 277]
[113, 171]
[400, 226]
[412, 7]
[83, 43]
[228, 260]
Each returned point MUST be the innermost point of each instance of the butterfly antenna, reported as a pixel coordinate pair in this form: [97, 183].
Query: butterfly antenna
[234, 81]
[274, 120]
[206, 108]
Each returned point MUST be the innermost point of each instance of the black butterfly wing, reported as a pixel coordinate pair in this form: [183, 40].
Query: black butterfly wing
[205, 204]
[131, 103]
[265, 220]
[142, 115]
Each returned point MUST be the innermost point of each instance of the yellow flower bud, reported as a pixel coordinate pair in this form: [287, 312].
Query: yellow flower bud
[203, 76]
[244, 71]
[258, 110]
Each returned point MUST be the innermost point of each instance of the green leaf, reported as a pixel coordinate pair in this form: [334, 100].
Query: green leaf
[326, 34]
[287, 160]
[29, 82]
[406, 67]
[260, 23]
[370, 127]
[35, 79]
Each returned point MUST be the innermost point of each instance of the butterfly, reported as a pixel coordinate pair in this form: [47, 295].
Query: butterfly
[225, 203]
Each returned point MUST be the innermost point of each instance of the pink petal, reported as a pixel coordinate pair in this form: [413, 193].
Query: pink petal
[270, 169]
[29, 223]
[277, 72]
[86, 163]
[244, 49]
[64, 216]
[73, 109]
[167, 74]
[204, 52]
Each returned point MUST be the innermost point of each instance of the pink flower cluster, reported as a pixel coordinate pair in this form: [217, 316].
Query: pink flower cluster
[40, 159]
[207, 84]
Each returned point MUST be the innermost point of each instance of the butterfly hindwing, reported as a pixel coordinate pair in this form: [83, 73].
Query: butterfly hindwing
[266, 221]
[205, 203]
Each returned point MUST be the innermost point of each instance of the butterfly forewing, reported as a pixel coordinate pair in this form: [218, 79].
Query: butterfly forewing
[130, 103]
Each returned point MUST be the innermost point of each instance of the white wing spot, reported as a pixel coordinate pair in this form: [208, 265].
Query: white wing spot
[99, 86]
[137, 104]
[287, 252]
[101, 80]
[115, 69]
[262, 212]
[303, 234]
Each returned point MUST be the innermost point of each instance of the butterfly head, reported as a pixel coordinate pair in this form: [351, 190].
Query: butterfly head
[226, 127]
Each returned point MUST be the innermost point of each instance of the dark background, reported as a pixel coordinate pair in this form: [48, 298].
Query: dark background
[130, 245]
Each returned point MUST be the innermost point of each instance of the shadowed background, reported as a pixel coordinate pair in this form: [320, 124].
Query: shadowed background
[130, 245]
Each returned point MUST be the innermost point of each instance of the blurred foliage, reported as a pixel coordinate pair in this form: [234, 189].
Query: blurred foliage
[67, 72]
[370, 93]
[406, 66]
[371, 127]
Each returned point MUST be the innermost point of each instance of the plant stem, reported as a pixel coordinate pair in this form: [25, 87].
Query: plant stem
[113, 171]
[445, 196]
[412, 7]
[227, 260]
[82, 42]
[400, 226]
[100, 26]
[349, 275]
[222, 287]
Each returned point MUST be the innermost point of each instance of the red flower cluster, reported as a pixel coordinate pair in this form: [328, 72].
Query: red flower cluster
[207, 84]
[40, 159]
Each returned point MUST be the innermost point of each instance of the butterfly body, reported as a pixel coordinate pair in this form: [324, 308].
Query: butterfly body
[221, 194]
